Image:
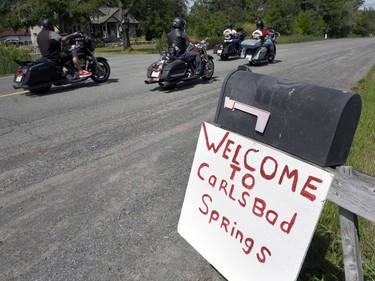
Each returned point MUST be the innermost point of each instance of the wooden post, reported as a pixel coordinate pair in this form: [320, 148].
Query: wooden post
[350, 239]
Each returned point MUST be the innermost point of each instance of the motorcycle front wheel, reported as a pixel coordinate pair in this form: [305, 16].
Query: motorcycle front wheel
[272, 58]
[102, 71]
[208, 70]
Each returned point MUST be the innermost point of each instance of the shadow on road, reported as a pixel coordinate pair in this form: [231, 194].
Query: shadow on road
[69, 87]
[263, 64]
[186, 85]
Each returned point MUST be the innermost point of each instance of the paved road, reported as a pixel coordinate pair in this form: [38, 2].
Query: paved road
[92, 177]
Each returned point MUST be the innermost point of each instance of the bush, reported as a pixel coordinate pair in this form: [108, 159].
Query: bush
[8, 55]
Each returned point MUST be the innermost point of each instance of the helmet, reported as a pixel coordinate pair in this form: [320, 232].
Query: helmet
[260, 24]
[47, 23]
[230, 25]
[179, 23]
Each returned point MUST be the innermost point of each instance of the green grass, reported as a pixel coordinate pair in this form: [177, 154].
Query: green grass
[135, 49]
[362, 157]
[288, 39]
[324, 260]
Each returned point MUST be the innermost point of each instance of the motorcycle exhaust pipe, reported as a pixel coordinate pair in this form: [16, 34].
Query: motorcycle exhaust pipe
[149, 82]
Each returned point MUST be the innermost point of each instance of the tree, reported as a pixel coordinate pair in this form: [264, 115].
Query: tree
[302, 24]
[365, 22]
[156, 16]
[64, 13]
[125, 8]
[280, 14]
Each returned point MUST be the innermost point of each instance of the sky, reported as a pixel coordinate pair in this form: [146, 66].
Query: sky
[369, 4]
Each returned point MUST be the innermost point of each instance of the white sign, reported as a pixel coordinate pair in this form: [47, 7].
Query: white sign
[251, 210]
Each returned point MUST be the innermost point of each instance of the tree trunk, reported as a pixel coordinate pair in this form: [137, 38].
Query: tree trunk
[125, 7]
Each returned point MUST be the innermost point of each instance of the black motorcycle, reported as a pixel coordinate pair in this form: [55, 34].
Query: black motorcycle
[170, 70]
[39, 75]
[229, 48]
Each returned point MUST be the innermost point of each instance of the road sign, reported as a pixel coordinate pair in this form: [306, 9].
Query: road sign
[250, 209]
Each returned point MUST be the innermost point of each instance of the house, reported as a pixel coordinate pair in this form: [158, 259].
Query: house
[107, 24]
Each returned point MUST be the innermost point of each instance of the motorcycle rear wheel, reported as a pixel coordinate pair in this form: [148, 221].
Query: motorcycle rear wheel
[208, 70]
[102, 72]
[41, 90]
[272, 58]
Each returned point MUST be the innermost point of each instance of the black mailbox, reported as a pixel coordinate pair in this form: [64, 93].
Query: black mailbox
[311, 122]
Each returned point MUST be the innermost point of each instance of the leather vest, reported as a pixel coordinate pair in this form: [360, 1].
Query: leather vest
[47, 47]
[177, 39]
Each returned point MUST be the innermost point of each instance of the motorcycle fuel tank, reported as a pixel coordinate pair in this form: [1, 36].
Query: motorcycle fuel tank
[311, 122]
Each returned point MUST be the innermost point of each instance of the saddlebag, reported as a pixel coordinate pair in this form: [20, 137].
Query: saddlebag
[311, 122]
[251, 43]
[173, 70]
[41, 72]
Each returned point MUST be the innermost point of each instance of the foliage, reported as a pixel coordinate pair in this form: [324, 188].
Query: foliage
[156, 16]
[337, 18]
[365, 23]
[303, 24]
[8, 55]
[65, 13]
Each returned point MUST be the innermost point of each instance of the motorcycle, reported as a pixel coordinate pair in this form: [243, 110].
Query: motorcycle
[170, 70]
[255, 51]
[228, 48]
[39, 75]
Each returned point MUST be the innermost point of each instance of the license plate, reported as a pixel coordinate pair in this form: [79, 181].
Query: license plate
[249, 57]
[219, 52]
[19, 78]
[155, 74]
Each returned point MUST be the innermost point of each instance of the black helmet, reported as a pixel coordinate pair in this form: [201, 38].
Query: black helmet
[47, 23]
[230, 25]
[260, 24]
[179, 23]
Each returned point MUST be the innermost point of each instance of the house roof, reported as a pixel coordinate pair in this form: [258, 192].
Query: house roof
[107, 14]
[20, 32]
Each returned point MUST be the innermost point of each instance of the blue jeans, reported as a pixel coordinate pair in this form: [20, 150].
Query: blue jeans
[269, 45]
[237, 43]
[190, 56]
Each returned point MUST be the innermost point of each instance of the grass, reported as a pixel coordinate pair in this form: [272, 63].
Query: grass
[324, 260]
[135, 49]
[362, 157]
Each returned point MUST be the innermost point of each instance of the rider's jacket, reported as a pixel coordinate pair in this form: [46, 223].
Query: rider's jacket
[48, 47]
[177, 40]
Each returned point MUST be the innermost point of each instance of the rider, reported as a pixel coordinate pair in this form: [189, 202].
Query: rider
[49, 43]
[265, 37]
[231, 34]
[178, 40]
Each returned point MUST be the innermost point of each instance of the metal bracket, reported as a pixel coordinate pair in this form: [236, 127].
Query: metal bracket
[263, 116]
